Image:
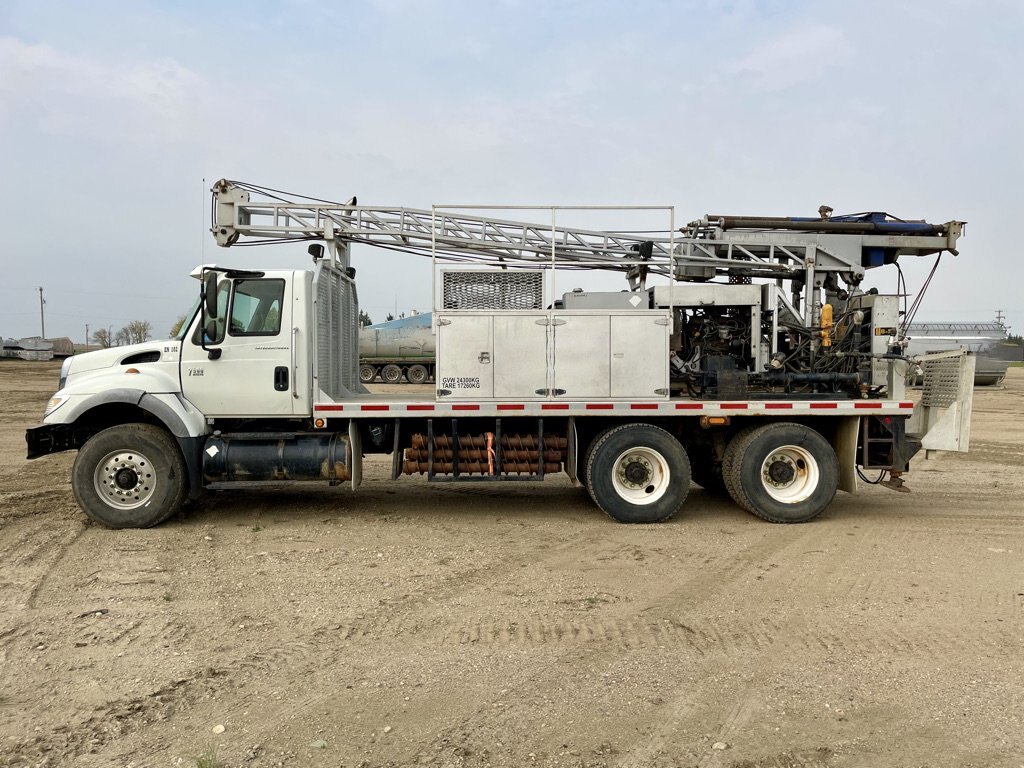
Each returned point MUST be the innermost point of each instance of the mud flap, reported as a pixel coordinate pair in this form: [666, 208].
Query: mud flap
[573, 453]
[844, 443]
[355, 454]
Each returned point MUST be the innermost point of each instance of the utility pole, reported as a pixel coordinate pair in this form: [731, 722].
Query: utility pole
[86, 337]
[1000, 316]
[42, 316]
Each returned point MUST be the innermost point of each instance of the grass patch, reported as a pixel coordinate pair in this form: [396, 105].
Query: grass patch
[256, 528]
[168, 597]
[209, 759]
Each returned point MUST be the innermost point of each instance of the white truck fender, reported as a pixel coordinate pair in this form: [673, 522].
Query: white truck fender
[180, 419]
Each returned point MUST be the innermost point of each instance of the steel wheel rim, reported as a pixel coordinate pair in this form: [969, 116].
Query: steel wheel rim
[641, 476]
[391, 374]
[125, 479]
[790, 474]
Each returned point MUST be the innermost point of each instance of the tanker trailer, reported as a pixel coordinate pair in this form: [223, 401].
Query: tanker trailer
[397, 351]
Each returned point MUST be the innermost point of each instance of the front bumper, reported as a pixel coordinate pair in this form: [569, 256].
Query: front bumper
[49, 438]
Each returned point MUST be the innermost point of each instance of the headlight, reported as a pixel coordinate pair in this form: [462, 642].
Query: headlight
[64, 368]
[54, 403]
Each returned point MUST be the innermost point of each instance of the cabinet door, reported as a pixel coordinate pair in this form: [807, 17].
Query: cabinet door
[639, 359]
[581, 356]
[464, 357]
[520, 356]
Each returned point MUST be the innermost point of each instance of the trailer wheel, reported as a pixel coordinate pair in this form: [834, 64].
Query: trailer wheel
[367, 373]
[130, 476]
[391, 374]
[637, 473]
[783, 473]
[416, 374]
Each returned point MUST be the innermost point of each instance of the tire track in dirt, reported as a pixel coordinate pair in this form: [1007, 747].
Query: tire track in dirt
[731, 639]
[120, 718]
[619, 629]
[322, 648]
[33, 548]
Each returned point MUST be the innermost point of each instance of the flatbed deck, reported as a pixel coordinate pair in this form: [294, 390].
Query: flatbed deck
[376, 405]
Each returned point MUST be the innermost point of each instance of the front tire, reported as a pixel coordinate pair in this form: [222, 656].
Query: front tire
[637, 473]
[783, 473]
[130, 476]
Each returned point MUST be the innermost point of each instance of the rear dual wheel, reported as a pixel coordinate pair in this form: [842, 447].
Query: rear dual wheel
[416, 374]
[391, 374]
[637, 473]
[783, 472]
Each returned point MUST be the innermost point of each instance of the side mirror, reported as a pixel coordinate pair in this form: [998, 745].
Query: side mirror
[210, 294]
[210, 335]
[316, 250]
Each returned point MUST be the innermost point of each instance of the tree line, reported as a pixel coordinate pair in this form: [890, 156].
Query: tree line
[136, 332]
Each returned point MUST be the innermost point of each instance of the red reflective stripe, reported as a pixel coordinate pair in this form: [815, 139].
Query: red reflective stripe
[733, 406]
[867, 405]
[824, 405]
[906, 405]
[465, 407]
[644, 406]
[374, 407]
[420, 408]
[554, 406]
[599, 406]
[688, 406]
[330, 407]
[778, 406]
[510, 407]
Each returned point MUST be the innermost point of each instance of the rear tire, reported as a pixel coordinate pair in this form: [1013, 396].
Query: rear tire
[783, 473]
[130, 476]
[637, 473]
[416, 374]
[367, 373]
[391, 374]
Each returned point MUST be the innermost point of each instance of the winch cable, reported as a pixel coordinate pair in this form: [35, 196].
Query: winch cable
[909, 318]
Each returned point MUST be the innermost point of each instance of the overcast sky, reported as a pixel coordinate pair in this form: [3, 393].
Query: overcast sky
[112, 114]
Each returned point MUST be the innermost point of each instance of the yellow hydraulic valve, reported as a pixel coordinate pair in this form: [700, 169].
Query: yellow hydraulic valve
[826, 325]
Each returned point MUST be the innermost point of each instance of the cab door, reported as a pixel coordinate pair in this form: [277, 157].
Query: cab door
[248, 368]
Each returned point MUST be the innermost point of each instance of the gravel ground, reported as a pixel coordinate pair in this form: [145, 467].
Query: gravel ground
[460, 625]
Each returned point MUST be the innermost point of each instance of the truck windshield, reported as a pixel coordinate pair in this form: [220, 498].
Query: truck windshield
[189, 317]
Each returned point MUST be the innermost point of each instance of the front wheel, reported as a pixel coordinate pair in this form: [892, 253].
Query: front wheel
[130, 476]
[783, 473]
[637, 473]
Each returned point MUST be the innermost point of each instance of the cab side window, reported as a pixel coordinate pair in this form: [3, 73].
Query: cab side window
[256, 307]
